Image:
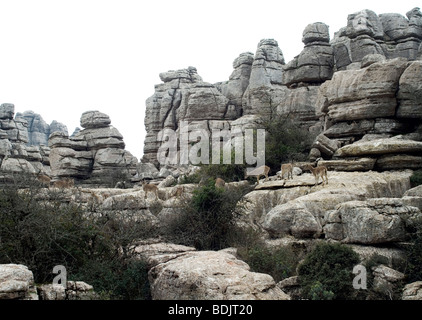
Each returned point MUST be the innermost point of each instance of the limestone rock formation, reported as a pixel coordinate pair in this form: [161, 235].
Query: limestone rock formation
[16, 282]
[16, 156]
[413, 291]
[38, 129]
[95, 154]
[316, 62]
[298, 209]
[390, 35]
[372, 221]
[210, 275]
[182, 96]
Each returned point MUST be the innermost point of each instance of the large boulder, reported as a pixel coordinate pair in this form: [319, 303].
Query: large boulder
[413, 291]
[366, 93]
[16, 282]
[94, 119]
[373, 221]
[315, 63]
[393, 145]
[210, 275]
[410, 92]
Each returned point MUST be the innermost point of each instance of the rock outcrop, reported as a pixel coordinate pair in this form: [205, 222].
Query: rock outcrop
[315, 64]
[209, 275]
[364, 83]
[389, 35]
[297, 208]
[92, 155]
[17, 282]
[38, 130]
[369, 115]
[182, 96]
[16, 156]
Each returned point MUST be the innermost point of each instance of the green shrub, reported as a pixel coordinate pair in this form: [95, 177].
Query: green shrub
[414, 255]
[317, 292]
[331, 265]
[280, 263]
[416, 178]
[190, 179]
[207, 221]
[286, 141]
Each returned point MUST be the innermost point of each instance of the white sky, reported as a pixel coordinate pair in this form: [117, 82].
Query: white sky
[60, 58]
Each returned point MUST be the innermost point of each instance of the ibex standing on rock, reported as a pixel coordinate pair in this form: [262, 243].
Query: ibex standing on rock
[147, 187]
[320, 171]
[287, 168]
[258, 172]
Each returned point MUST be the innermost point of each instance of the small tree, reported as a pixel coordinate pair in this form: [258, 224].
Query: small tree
[207, 220]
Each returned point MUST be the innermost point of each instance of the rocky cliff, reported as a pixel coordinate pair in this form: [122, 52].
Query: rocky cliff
[361, 85]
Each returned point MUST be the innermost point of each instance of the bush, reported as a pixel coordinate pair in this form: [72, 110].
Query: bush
[331, 265]
[286, 141]
[207, 221]
[416, 178]
[280, 263]
[317, 292]
[40, 229]
[414, 255]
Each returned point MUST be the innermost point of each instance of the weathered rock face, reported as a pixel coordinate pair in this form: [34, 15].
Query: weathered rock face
[316, 62]
[361, 82]
[413, 291]
[92, 154]
[390, 35]
[38, 129]
[369, 114]
[297, 208]
[16, 155]
[210, 275]
[372, 221]
[182, 96]
[16, 282]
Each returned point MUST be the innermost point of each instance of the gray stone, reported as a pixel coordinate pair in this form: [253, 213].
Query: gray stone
[410, 92]
[316, 32]
[94, 119]
[7, 111]
[413, 291]
[16, 282]
[393, 145]
[210, 275]
[375, 221]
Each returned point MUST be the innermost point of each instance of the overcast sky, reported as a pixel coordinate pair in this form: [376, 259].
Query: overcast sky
[60, 58]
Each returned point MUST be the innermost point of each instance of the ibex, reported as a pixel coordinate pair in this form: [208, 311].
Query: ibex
[147, 187]
[320, 171]
[44, 179]
[287, 168]
[220, 183]
[179, 191]
[64, 183]
[258, 172]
